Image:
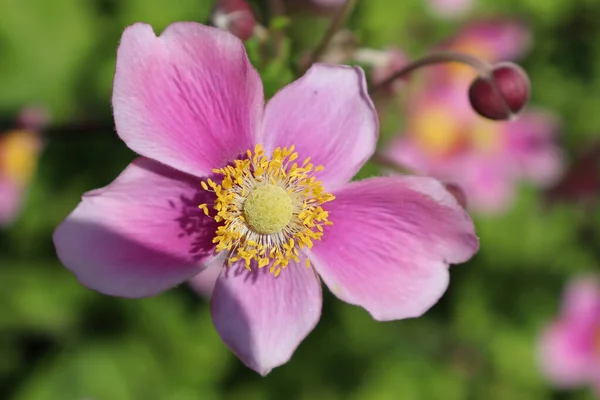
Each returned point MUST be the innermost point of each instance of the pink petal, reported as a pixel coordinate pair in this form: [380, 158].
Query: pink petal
[328, 116]
[531, 140]
[139, 235]
[204, 283]
[390, 244]
[507, 39]
[11, 196]
[488, 182]
[262, 318]
[189, 98]
[582, 300]
[566, 356]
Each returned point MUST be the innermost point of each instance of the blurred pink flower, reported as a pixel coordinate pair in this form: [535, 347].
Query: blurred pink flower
[570, 346]
[450, 9]
[19, 153]
[445, 138]
[491, 40]
[204, 191]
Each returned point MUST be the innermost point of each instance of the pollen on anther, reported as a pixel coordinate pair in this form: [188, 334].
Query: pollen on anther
[204, 207]
[249, 177]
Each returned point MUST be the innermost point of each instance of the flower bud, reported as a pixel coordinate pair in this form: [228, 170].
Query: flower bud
[234, 16]
[502, 94]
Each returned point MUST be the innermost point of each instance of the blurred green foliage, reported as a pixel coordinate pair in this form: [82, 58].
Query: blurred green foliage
[59, 340]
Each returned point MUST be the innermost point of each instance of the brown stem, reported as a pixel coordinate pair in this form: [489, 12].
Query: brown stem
[336, 23]
[482, 67]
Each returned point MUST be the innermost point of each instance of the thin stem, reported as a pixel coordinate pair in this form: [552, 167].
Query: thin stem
[336, 24]
[482, 67]
[277, 9]
[386, 162]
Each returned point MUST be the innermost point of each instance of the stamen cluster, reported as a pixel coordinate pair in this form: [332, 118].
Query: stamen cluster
[248, 242]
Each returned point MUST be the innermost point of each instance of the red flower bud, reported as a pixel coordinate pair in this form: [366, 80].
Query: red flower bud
[234, 16]
[502, 94]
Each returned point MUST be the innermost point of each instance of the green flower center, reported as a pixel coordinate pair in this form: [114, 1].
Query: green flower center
[268, 209]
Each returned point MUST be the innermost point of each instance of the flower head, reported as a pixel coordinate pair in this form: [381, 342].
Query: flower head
[260, 193]
[570, 345]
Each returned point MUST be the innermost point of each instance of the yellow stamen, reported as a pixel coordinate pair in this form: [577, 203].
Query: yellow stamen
[267, 208]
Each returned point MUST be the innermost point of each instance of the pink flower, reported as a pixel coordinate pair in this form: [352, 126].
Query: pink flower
[219, 183]
[570, 346]
[445, 138]
[491, 40]
[19, 153]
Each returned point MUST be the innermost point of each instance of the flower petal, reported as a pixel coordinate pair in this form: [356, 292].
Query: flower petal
[139, 235]
[582, 299]
[11, 198]
[502, 39]
[204, 283]
[531, 143]
[488, 182]
[189, 98]
[390, 244]
[328, 116]
[262, 318]
[566, 354]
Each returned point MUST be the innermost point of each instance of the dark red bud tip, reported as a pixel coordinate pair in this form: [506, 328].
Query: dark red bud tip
[457, 192]
[234, 16]
[502, 94]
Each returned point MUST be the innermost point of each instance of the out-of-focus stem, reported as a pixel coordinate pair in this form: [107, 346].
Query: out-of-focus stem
[277, 9]
[336, 24]
[482, 67]
[386, 162]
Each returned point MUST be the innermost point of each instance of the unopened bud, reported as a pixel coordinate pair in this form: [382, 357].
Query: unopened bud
[502, 94]
[234, 16]
[458, 193]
